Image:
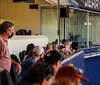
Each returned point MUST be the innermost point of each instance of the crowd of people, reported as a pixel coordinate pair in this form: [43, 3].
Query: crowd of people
[40, 65]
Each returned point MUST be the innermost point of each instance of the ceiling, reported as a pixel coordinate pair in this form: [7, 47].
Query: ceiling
[54, 2]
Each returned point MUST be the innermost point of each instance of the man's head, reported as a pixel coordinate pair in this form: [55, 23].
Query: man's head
[53, 58]
[41, 74]
[7, 28]
[69, 75]
[64, 41]
[38, 51]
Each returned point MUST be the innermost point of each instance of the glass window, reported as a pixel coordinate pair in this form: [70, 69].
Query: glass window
[49, 22]
[94, 29]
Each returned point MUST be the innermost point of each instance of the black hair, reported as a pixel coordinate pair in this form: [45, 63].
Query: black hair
[40, 71]
[52, 57]
[63, 41]
[5, 25]
[30, 53]
[29, 47]
[56, 41]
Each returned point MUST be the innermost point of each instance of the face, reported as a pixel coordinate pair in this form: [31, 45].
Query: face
[10, 31]
[75, 81]
[48, 82]
[72, 80]
[69, 80]
[70, 42]
[57, 65]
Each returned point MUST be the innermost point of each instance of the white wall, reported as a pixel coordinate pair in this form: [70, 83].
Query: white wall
[19, 43]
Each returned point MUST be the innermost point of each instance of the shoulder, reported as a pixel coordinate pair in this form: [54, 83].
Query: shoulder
[28, 61]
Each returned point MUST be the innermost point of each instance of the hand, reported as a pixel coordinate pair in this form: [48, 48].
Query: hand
[18, 68]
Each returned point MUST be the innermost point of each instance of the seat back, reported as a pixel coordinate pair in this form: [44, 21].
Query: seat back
[15, 58]
[29, 32]
[21, 32]
[22, 55]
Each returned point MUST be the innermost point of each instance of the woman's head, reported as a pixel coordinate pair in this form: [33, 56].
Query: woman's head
[49, 46]
[29, 47]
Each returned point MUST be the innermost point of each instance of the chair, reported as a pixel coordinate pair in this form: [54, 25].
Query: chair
[14, 57]
[29, 32]
[5, 78]
[22, 55]
[21, 32]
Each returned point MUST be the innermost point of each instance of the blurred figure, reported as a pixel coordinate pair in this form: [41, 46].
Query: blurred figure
[48, 48]
[69, 75]
[66, 46]
[37, 53]
[55, 47]
[39, 74]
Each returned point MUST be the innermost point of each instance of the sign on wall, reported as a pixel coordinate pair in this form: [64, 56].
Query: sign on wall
[88, 4]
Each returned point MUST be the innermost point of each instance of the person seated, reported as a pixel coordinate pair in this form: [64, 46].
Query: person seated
[39, 74]
[48, 48]
[30, 47]
[69, 75]
[53, 58]
[37, 53]
[55, 47]
[66, 46]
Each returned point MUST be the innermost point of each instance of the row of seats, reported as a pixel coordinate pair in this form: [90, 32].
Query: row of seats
[21, 56]
[23, 32]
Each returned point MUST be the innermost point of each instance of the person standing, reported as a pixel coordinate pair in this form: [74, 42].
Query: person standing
[6, 32]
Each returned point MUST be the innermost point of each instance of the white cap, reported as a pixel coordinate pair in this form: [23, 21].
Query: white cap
[38, 50]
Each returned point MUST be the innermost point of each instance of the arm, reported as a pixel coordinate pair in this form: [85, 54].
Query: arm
[17, 65]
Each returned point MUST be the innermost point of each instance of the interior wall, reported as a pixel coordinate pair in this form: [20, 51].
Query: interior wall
[0, 8]
[21, 15]
[49, 23]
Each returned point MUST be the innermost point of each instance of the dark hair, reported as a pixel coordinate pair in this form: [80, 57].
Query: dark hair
[40, 71]
[5, 25]
[30, 53]
[52, 57]
[56, 41]
[63, 41]
[29, 47]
